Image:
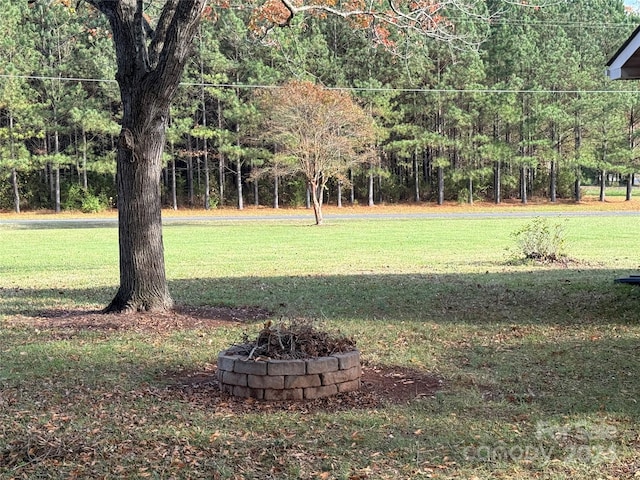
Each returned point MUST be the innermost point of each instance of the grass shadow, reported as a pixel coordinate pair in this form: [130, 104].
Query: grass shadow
[545, 296]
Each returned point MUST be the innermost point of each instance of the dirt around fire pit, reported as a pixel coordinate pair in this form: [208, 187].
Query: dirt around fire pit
[381, 385]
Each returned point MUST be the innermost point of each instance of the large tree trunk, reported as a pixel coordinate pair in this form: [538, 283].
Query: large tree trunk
[150, 66]
[143, 285]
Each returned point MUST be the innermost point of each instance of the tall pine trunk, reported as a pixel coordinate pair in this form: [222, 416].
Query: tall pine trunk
[56, 183]
[523, 184]
[14, 172]
[440, 185]
[16, 190]
[220, 160]
[276, 193]
[416, 178]
[205, 143]
[497, 182]
[239, 184]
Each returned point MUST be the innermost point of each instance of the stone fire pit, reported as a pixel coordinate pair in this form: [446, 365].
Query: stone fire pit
[288, 379]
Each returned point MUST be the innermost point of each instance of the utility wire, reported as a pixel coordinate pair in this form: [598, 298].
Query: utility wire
[352, 89]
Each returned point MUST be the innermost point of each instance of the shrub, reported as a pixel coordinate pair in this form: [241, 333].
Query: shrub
[541, 240]
[85, 200]
[92, 204]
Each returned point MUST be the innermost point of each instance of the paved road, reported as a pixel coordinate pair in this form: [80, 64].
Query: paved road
[52, 222]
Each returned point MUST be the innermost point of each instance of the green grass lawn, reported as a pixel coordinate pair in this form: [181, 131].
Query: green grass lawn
[539, 363]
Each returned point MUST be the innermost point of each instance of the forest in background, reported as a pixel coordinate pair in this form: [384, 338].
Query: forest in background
[528, 113]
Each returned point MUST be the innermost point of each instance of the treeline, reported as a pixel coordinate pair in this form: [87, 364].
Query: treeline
[528, 113]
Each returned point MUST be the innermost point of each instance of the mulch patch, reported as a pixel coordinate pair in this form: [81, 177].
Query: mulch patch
[181, 318]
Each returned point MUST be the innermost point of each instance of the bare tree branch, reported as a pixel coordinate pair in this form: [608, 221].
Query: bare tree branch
[430, 18]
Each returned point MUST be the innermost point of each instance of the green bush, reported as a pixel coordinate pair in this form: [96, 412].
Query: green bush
[92, 204]
[541, 240]
[79, 198]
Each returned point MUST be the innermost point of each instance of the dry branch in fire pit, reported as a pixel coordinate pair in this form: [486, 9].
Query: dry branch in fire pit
[294, 340]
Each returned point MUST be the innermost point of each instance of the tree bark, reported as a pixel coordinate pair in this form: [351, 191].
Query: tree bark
[577, 186]
[276, 194]
[523, 184]
[16, 190]
[14, 172]
[256, 192]
[85, 182]
[553, 182]
[174, 192]
[56, 183]
[313, 189]
[497, 182]
[239, 184]
[205, 143]
[603, 183]
[150, 65]
[352, 190]
[416, 179]
[220, 161]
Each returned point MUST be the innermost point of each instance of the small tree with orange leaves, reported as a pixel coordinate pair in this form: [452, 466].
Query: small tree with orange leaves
[322, 132]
